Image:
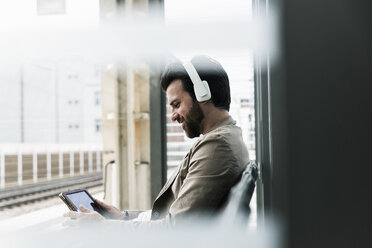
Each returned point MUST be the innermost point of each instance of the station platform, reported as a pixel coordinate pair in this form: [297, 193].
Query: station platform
[45, 215]
[41, 225]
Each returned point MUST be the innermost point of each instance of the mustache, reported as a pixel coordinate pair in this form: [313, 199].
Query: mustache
[179, 119]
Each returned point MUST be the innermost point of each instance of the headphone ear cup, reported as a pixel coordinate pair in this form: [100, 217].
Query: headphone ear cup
[202, 91]
[201, 88]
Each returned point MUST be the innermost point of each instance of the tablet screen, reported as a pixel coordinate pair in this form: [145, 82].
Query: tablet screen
[80, 198]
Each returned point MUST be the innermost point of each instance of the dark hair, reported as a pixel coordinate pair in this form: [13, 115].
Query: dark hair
[209, 70]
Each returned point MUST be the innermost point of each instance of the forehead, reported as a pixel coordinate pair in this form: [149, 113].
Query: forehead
[175, 91]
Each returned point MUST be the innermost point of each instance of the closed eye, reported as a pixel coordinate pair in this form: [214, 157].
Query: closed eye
[175, 104]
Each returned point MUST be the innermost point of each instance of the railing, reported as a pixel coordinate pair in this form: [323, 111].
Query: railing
[32, 163]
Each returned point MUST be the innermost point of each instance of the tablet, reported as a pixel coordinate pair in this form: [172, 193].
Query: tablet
[73, 199]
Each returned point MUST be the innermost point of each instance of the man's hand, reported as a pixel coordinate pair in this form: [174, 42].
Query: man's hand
[111, 211]
[85, 216]
[89, 216]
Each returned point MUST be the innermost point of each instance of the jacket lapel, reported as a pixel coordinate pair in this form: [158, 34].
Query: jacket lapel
[169, 183]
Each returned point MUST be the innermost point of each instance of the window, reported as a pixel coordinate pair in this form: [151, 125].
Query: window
[98, 125]
[238, 63]
[97, 98]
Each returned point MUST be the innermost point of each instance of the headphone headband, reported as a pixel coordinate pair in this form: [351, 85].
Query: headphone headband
[201, 88]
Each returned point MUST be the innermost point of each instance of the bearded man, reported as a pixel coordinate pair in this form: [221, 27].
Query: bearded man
[198, 93]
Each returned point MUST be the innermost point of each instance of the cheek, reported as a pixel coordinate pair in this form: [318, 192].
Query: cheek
[183, 111]
[185, 108]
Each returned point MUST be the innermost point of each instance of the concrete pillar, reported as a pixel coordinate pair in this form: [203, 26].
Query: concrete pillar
[126, 122]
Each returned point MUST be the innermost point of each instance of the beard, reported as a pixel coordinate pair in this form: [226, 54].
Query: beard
[193, 119]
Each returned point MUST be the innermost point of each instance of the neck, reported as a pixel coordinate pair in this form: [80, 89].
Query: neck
[211, 117]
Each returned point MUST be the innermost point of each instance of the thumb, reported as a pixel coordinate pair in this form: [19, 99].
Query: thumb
[101, 203]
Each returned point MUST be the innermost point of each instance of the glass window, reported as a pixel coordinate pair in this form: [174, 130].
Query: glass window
[238, 63]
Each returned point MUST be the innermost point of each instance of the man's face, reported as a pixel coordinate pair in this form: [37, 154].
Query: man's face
[184, 109]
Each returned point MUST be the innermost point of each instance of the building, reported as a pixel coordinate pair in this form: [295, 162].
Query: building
[51, 102]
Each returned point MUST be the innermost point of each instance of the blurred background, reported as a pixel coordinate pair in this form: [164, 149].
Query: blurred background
[81, 107]
[81, 98]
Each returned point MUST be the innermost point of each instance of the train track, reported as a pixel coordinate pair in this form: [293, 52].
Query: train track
[26, 194]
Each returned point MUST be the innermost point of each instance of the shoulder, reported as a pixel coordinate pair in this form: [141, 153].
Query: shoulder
[219, 145]
[225, 135]
[224, 146]
[212, 142]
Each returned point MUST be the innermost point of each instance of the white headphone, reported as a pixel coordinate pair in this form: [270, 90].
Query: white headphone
[201, 88]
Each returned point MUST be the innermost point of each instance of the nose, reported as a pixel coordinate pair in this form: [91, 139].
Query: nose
[174, 116]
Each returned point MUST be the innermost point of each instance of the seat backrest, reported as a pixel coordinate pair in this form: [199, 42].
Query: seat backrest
[237, 210]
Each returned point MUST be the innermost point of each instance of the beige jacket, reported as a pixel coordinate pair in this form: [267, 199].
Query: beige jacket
[204, 178]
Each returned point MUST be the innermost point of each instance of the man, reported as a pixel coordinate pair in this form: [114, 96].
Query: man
[214, 163]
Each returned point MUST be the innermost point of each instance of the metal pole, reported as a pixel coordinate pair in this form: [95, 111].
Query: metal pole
[98, 160]
[71, 164]
[81, 158]
[49, 166]
[158, 134]
[60, 159]
[90, 161]
[20, 168]
[34, 166]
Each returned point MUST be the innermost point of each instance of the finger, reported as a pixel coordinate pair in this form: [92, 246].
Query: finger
[84, 209]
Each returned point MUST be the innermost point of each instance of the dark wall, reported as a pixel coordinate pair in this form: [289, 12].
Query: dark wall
[322, 123]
